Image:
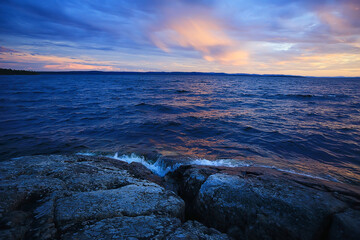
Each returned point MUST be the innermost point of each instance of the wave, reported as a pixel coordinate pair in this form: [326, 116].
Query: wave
[220, 163]
[159, 167]
[158, 108]
[238, 163]
[306, 96]
[162, 167]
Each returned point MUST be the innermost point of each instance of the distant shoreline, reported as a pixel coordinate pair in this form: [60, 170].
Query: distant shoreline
[169, 73]
[25, 72]
[16, 72]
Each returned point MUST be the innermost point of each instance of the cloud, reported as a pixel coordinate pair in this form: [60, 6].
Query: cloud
[77, 66]
[51, 62]
[6, 50]
[207, 35]
[196, 29]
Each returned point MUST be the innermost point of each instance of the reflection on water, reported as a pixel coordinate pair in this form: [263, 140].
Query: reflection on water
[304, 124]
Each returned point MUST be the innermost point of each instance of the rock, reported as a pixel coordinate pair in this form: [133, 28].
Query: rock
[267, 211]
[187, 182]
[14, 225]
[135, 169]
[50, 197]
[143, 198]
[345, 225]
[43, 224]
[80, 197]
[258, 203]
[193, 230]
[145, 227]
[140, 227]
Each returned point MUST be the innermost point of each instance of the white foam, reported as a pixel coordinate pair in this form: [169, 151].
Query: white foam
[159, 167]
[238, 163]
[219, 163]
[86, 154]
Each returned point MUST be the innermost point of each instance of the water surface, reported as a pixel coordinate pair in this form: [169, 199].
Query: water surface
[309, 125]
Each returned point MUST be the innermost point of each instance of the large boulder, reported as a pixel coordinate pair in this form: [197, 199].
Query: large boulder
[261, 203]
[345, 225]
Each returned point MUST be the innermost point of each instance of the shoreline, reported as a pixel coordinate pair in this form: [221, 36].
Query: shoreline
[82, 197]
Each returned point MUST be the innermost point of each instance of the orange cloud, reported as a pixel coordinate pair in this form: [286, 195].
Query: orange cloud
[55, 62]
[203, 35]
[337, 64]
[76, 66]
[229, 58]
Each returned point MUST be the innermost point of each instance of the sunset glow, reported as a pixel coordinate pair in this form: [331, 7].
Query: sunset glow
[311, 38]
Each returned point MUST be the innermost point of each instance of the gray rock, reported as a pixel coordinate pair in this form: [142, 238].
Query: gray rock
[258, 203]
[72, 197]
[43, 224]
[345, 225]
[26, 189]
[140, 227]
[193, 230]
[48, 197]
[265, 210]
[144, 227]
[14, 225]
[143, 198]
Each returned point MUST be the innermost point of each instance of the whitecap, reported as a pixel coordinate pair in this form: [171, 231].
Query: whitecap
[159, 167]
[219, 163]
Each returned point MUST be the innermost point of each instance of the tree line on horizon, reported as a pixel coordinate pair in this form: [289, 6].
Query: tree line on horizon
[5, 71]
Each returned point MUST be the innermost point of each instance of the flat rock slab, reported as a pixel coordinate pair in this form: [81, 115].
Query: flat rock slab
[131, 200]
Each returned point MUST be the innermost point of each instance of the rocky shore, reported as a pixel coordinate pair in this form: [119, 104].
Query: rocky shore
[82, 197]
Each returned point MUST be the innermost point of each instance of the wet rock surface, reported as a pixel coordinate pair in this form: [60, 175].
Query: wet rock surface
[262, 203]
[82, 197]
[77, 197]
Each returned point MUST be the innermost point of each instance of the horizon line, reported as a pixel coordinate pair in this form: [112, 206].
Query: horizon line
[167, 72]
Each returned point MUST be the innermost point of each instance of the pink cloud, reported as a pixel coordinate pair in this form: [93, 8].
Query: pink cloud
[201, 32]
[76, 66]
[52, 62]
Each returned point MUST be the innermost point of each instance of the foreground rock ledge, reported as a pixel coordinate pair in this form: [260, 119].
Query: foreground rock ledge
[74, 197]
[263, 203]
[78, 197]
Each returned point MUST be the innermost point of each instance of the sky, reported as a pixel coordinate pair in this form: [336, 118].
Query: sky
[298, 37]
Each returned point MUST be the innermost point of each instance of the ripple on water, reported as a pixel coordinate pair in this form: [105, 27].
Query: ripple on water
[310, 125]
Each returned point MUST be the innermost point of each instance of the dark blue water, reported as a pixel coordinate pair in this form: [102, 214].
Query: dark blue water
[303, 124]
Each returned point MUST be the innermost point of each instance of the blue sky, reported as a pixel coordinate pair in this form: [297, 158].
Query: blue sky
[302, 37]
